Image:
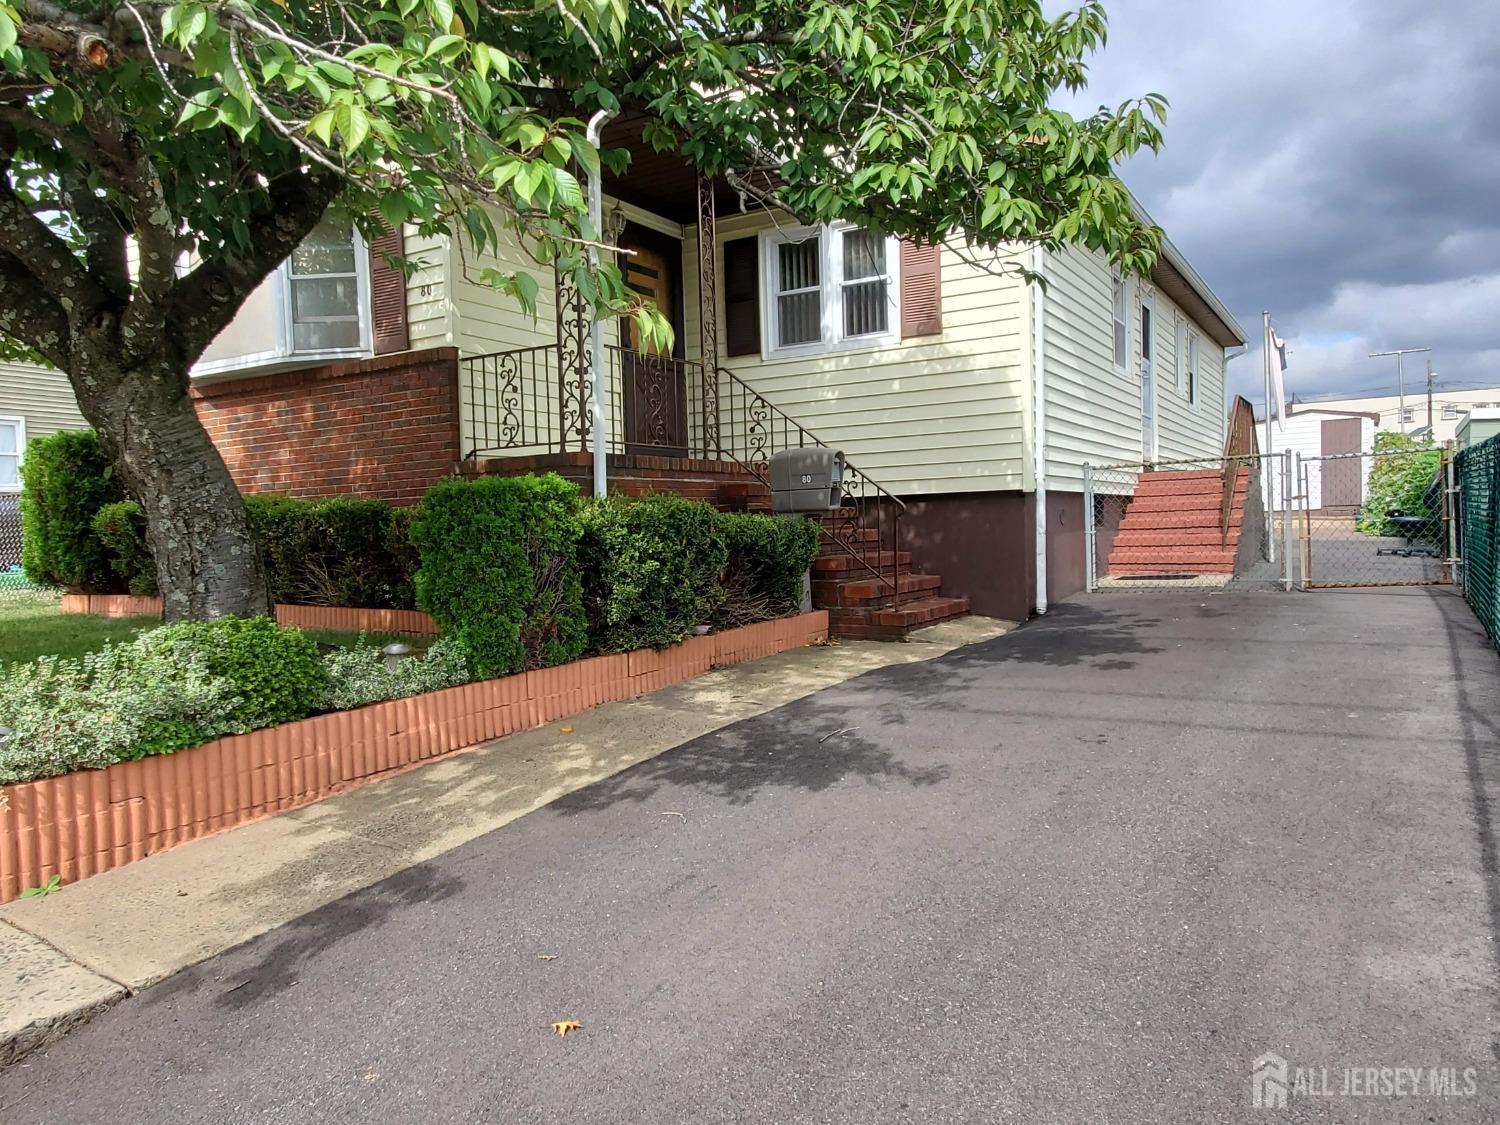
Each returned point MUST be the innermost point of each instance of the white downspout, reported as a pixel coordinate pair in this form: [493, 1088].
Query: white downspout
[597, 389]
[1039, 422]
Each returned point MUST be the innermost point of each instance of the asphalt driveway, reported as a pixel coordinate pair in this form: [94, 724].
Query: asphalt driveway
[1090, 871]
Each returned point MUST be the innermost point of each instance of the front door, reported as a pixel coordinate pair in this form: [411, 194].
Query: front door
[1149, 445]
[654, 382]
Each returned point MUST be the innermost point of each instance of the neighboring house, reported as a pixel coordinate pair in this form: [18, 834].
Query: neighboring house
[33, 401]
[958, 392]
[1449, 408]
[1336, 486]
[1478, 425]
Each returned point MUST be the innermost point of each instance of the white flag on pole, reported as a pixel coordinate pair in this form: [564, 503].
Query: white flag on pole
[1276, 367]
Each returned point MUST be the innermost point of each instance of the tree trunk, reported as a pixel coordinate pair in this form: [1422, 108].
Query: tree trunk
[207, 564]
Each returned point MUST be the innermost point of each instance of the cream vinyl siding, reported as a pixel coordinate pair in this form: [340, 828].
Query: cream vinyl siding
[931, 414]
[429, 295]
[40, 395]
[1187, 430]
[1094, 412]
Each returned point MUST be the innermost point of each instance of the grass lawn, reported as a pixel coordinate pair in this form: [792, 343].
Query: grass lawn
[32, 627]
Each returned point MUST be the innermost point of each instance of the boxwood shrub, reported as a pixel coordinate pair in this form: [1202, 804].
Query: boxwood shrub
[65, 479]
[650, 569]
[499, 570]
[768, 557]
[276, 673]
[121, 528]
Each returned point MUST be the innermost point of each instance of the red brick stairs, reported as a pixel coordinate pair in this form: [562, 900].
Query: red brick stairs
[1172, 525]
[860, 604]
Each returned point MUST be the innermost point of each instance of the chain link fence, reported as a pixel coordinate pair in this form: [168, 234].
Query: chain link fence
[1477, 480]
[1177, 524]
[14, 585]
[1374, 519]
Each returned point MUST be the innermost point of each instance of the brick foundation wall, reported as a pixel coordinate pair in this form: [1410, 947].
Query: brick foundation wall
[384, 427]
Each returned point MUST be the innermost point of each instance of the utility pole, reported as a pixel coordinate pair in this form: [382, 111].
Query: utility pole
[1429, 396]
[1400, 354]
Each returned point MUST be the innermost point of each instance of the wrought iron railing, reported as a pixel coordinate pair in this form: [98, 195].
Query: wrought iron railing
[867, 526]
[526, 400]
[529, 401]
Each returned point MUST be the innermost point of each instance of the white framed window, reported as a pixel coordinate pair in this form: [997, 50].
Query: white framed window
[314, 306]
[1121, 325]
[828, 287]
[1408, 415]
[12, 446]
[1192, 366]
[1450, 412]
[325, 282]
[1179, 350]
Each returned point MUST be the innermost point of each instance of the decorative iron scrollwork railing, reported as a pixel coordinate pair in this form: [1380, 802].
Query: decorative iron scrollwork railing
[866, 527]
[510, 401]
[528, 401]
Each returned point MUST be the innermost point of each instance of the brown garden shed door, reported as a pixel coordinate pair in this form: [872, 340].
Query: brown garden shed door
[1341, 479]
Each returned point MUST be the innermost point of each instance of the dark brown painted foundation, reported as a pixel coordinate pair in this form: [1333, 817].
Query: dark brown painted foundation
[981, 543]
[984, 546]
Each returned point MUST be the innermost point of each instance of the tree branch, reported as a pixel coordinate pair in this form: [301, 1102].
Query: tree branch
[50, 260]
[206, 299]
[29, 315]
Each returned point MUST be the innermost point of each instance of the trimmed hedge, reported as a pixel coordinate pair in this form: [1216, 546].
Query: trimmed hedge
[338, 551]
[121, 528]
[500, 570]
[651, 570]
[768, 557]
[65, 479]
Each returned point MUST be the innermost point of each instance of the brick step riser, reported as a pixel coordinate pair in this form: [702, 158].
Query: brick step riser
[1170, 538]
[1196, 568]
[1178, 504]
[1214, 493]
[1187, 521]
[1172, 560]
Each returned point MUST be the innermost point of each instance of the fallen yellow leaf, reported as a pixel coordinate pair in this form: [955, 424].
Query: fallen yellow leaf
[567, 730]
[562, 1027]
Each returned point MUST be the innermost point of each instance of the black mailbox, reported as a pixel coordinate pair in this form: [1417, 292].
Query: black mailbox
[806, 481]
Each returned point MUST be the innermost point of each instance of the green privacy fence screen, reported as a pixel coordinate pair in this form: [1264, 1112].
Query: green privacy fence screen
[1478, 471]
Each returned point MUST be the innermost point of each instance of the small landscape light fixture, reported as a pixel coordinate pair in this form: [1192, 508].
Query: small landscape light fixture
[394, 654]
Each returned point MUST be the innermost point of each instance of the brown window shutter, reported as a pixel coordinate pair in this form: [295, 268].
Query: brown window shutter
[388, 295]
[742, 296]
[921, 289]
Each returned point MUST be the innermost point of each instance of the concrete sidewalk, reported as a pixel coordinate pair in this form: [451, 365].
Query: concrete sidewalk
[71, 954]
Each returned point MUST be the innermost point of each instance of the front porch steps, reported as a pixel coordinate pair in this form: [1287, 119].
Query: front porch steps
[860, 604]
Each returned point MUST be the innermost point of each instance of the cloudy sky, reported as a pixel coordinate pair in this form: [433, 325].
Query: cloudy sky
[1334, 161]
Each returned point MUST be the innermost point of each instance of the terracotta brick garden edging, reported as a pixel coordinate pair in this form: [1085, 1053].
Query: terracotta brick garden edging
[343, 619]
[83, 823]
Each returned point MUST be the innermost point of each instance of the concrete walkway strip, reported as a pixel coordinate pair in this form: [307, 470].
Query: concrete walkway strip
[43, 994]
[67, 955]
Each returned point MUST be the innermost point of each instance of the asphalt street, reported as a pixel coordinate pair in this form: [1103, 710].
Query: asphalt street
[1088, 872]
